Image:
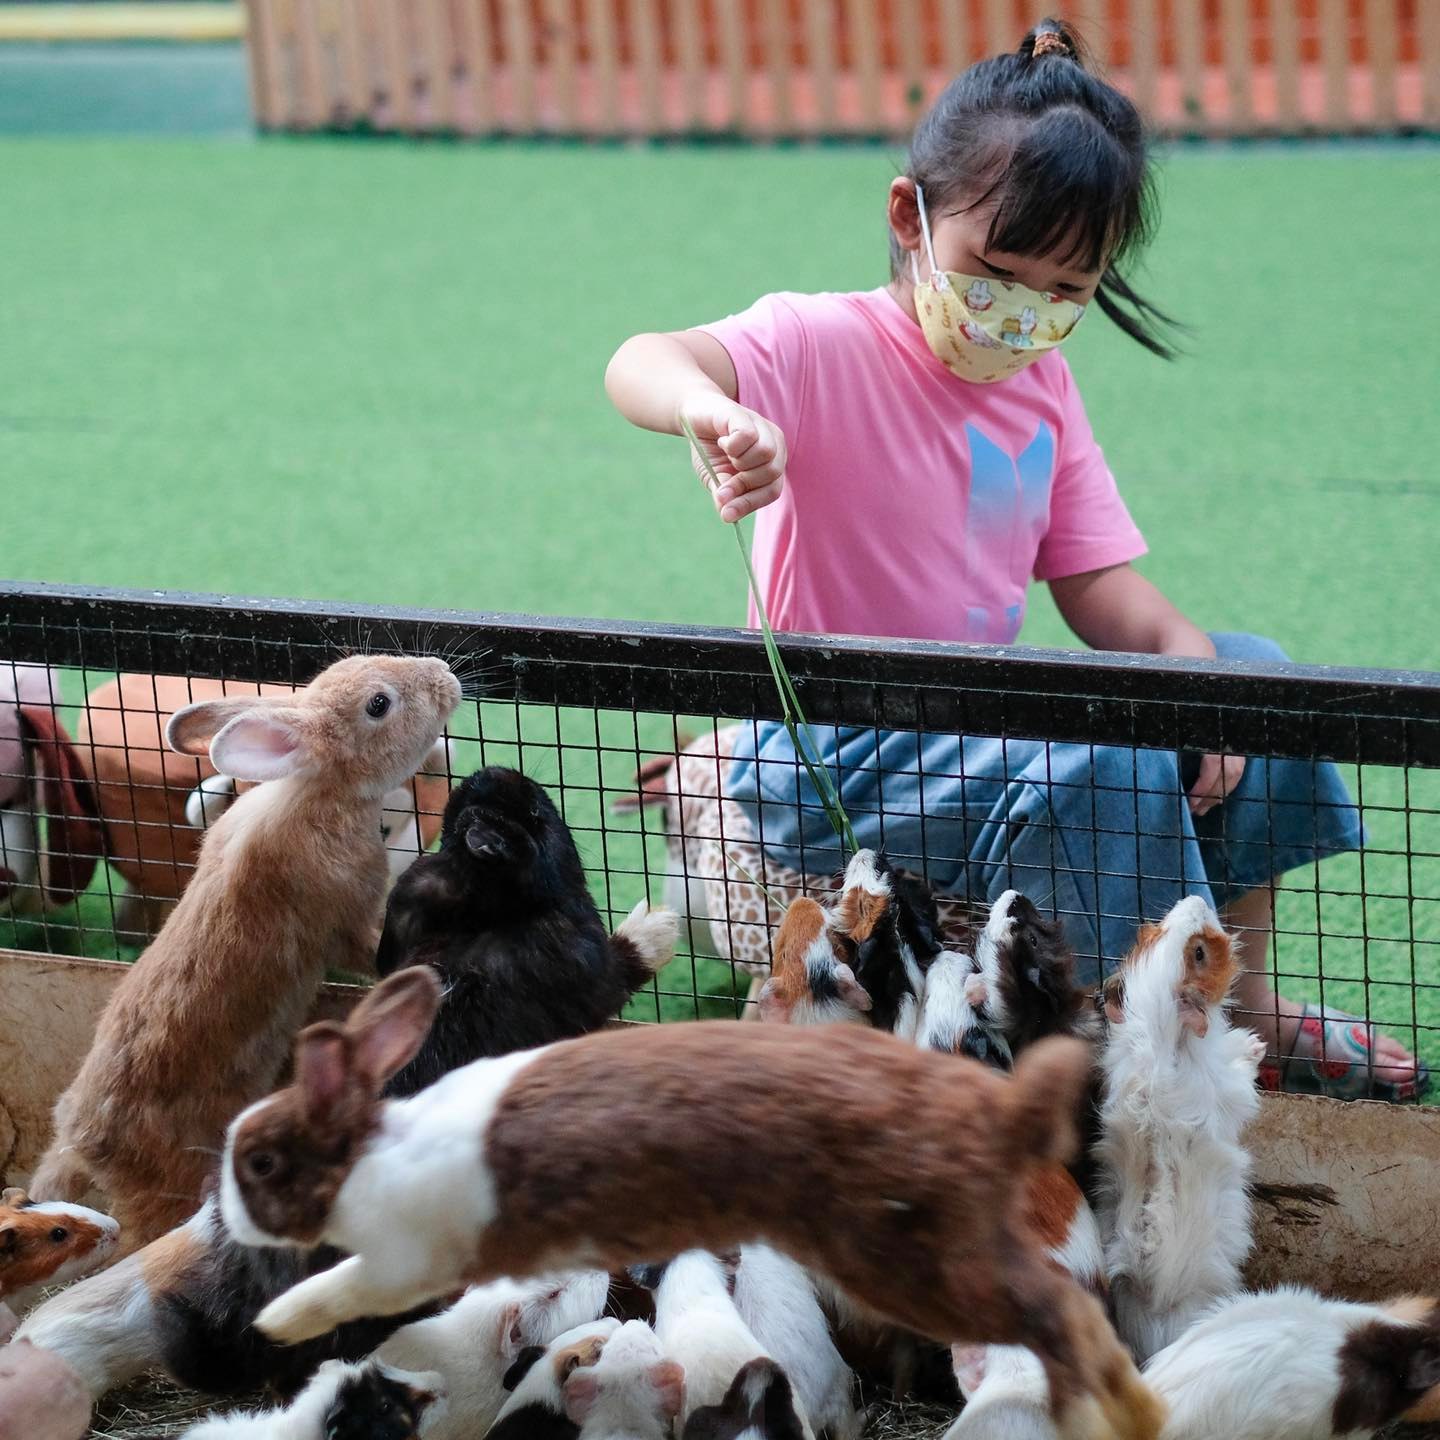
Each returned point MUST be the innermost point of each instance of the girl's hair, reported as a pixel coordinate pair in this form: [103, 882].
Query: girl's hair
[1062, 157]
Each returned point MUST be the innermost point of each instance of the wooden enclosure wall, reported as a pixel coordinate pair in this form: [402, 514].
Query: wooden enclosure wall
[778, 68]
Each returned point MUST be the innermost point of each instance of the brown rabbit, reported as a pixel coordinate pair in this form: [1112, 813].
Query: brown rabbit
[290, 881]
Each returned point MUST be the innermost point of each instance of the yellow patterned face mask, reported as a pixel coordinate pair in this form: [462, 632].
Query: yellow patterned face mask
[982, 329]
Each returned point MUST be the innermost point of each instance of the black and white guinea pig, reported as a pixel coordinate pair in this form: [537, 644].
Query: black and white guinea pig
[536, 1381]
[365, 1401]
[759, 1405]
[503, 913]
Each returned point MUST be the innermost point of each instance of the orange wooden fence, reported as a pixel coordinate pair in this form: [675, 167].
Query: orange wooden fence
[773, 68]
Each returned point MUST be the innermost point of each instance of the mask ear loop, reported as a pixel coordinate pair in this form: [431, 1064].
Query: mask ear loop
[925, 232]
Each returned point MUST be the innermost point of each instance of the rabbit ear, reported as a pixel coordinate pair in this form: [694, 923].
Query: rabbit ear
[390, 1024]
[260, 745]
[324, 1074]
[190, 728]
[74, 838]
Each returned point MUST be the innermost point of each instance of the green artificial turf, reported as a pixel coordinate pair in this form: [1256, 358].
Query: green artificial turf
[372, 370]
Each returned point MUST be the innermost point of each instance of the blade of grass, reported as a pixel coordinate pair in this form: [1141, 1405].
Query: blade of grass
[793, 715]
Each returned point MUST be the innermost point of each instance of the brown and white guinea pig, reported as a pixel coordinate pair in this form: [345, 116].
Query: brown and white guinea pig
[202, 1022]
[1179, 1090]
[863, 960]
[759, 1405]
[1291, 1365]
[503, 914]
[634, 1391]
[365, 1401]
[509, 1167]
[48, 1244]
[536, 1407]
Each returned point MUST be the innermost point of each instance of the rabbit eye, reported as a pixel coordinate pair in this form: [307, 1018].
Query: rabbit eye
[377, 706]
[261, 1164]
[59, 1233]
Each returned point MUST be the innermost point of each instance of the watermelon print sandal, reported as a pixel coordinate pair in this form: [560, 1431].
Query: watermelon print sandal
[1331, 1056]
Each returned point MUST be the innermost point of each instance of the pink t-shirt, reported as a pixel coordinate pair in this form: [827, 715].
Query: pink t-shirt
[916, 504]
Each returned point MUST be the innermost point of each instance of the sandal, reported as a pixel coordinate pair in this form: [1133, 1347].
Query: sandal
[1331, 1056]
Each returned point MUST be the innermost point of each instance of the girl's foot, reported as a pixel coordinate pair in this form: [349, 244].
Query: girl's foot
[1324, 1051]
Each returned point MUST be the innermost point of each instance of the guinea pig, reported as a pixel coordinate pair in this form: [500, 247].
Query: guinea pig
[759, 1405]
[503, 914]
[1291, 1365]
[1179, 1089]
[634, 1391]
[820, 1149]
[536, 1407]
[700, 1327]
[48, 1244]
[365, 1401]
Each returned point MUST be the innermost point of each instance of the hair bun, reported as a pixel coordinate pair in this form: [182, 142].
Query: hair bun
[1050, 37]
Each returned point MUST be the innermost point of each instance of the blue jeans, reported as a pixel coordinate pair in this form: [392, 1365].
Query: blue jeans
[1101, 833]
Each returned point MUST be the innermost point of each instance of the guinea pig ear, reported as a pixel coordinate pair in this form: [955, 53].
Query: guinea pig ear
[1112, 998]
[852, 992]
[260, 745]
[667, 1379]
[582, 1390]
[508, 1333]
[15, 1198]
[390, 1024]
[773, 1005]
[9, 1243]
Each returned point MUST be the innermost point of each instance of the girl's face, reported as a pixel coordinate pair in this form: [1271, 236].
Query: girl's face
[959, 239]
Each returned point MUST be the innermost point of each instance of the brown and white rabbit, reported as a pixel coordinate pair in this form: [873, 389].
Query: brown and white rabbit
[202, 1022]
[511, 1166]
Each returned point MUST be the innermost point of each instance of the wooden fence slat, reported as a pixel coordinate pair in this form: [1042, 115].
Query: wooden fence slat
[1189, 54]
[260, 43]
[865, 46]
[352, 52]
[515, 15]
[604, 62]
[690, 47]
[1429, 38]
[473, 42]
[390, 46]
[775, 43]
[736, 63]
[557, 18]
[1382, 39]
[820, 20]
[436, 60]
[312, 108]
[1238, 58]
[649, 60]
[1285, 58]
[1335, 61]
[1000, 34]
[1144, 55]
[954, 39]
[910, 41]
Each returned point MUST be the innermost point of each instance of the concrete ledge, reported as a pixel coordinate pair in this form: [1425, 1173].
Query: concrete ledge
[195, 21]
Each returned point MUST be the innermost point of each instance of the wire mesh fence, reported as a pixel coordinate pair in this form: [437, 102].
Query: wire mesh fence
[1058, 773]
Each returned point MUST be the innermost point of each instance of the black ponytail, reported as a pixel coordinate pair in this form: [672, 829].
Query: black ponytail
[1060, 155]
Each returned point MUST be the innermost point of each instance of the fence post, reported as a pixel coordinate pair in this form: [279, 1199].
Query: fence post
[737, 64]
[775, 40]
[822, 59]
[1335, 58]
[865, 50]
[1238, 57]
[694, 69]
[1285, 62]
[1429, 38]
[1382, 42]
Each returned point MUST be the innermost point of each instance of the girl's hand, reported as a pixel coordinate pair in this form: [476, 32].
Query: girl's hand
[747, 450]
[1219, 775]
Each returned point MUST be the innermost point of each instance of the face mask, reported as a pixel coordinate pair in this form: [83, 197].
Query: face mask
[985, 330]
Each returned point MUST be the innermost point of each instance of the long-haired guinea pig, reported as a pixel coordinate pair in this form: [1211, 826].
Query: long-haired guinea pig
[503, 913]
[1291, 1365]
[48, 1244]
[862, 960]
[366, 1401]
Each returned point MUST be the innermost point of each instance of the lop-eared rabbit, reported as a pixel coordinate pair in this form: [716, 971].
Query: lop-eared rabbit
[202, 1022]
[1179, 1090]
[578, 1153]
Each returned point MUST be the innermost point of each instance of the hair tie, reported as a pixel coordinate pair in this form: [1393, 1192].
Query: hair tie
[1051, 42]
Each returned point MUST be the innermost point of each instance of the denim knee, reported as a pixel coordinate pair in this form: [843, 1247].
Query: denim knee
[1238, 645]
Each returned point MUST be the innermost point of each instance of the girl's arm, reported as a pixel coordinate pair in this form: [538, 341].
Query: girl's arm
[1119, 609]
[656, 380]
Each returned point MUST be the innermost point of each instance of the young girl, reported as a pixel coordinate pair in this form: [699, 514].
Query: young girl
[915, 454]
